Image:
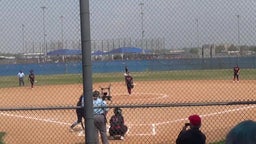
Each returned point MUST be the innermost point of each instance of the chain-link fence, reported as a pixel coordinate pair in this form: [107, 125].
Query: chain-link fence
[180, 54]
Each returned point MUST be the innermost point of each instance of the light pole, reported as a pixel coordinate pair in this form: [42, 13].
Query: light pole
[197, 38]
[23, 37]
[62, 35]
[142, 21]
[44, 34]
[238, 32]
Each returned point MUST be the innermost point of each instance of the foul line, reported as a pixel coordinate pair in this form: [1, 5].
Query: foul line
[34, 118]
[153, 126]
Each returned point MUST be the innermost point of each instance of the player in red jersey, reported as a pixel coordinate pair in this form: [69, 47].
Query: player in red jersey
[129, 82]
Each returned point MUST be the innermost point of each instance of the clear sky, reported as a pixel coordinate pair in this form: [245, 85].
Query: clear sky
[182, 23]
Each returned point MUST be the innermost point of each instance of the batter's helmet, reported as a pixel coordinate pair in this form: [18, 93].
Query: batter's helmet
[95, 93]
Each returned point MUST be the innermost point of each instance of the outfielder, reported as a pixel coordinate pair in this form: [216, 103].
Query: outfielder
[236, 73]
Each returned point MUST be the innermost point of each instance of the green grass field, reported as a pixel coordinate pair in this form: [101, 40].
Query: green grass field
[2, 134]
[246, 74]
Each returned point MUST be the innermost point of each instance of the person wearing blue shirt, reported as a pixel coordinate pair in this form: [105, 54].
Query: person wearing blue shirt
[21, 76]
[100, 111]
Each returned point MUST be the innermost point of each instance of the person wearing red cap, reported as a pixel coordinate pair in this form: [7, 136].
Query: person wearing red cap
[192, 135]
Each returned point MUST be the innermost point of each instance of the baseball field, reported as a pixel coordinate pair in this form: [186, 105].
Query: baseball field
[169, 94]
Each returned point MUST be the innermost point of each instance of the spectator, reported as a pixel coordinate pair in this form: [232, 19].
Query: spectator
[117, 126]
[242, 133]
[191, 135]
[21, 76]
[100, 112]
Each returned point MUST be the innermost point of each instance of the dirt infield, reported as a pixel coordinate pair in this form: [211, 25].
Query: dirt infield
[146, 125]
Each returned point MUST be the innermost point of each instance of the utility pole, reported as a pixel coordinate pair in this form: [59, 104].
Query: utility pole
[23, 37]
[62, 33]
[197, 37]
[238, 32]
[44, 34]
[142, 22]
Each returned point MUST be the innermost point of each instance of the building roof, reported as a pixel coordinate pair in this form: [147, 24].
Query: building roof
[65, 52]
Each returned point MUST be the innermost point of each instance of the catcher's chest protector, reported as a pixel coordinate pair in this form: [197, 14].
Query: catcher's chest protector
[116, 121]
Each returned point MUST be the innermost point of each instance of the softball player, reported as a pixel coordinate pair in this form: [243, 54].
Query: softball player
[117, 126]
[236, 73]
[31, 78]
[129, 83]
[80, 113]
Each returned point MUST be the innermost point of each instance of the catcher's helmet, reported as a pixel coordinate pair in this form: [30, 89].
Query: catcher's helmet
[95, 93]
[118, 110]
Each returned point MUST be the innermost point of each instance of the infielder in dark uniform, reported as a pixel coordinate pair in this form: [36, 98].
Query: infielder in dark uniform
[31, 78]
[129, 83]
[80, 113]
[236, 73]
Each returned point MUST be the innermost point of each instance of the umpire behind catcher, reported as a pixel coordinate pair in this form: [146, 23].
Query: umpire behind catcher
[100, 112]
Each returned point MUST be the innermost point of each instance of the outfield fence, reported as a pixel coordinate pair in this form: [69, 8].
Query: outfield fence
[168, 36]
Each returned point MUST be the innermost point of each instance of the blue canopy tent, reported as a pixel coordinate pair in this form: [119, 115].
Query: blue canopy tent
[122, 50]
[98, 53]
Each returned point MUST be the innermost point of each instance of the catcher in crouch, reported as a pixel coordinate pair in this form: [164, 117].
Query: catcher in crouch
[129, 82]
[117, 126]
